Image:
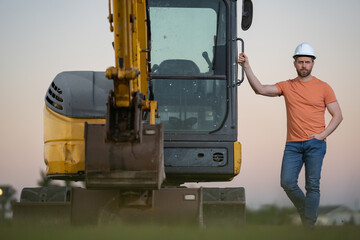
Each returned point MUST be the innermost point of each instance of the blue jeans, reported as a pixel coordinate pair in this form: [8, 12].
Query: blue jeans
[311, 154]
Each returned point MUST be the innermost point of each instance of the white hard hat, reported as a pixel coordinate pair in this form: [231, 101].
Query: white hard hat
[304, 49]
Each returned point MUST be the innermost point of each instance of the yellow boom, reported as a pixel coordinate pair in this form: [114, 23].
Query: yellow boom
[129, 24]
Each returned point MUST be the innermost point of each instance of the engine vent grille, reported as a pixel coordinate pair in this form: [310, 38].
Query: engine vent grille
[53, 96]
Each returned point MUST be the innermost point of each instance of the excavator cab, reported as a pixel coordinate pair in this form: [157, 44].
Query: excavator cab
[193, 71]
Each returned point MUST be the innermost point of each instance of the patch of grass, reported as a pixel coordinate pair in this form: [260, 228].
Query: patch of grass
[178, 232]
[270, 215]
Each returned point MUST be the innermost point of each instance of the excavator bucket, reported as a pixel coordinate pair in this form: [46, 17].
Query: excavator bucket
[135, 165]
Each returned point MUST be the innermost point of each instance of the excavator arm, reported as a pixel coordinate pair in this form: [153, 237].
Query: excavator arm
[130, 75]
[131, 154]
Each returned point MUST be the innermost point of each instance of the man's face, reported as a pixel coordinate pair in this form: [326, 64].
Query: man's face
[304, 66]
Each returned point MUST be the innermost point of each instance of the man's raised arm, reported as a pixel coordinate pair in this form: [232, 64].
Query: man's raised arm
[265, 90]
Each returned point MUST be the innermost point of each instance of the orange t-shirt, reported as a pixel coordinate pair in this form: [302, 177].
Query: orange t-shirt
[305, 107]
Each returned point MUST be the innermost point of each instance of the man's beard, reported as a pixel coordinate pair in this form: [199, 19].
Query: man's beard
[303, 72]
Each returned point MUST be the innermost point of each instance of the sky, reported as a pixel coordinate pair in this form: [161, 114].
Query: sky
[41, 38]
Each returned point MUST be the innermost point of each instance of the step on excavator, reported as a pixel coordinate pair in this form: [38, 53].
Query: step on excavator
[164, 115]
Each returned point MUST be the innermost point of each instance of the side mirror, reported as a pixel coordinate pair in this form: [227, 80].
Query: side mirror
[247, 14]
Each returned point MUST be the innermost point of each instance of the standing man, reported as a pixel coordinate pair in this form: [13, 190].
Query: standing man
[306, 99]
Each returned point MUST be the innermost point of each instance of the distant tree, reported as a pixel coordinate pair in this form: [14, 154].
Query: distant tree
[45, 181]
[7, 193]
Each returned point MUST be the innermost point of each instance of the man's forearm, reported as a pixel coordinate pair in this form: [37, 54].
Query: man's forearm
[266, 90]
[333, 124]
[335, 111]
[258, 87]
[254, 82]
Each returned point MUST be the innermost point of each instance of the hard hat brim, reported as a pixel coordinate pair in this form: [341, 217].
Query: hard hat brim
[304, 55]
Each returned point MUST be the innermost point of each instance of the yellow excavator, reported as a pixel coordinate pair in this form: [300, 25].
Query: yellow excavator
[164, 115]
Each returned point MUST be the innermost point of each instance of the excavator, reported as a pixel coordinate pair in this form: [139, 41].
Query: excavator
[164, 115]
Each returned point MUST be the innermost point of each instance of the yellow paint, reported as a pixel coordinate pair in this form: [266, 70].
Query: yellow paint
[153, 107]
[64, 147]
[130, 75]
[237, 158]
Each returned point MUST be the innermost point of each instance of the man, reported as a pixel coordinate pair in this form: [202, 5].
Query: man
[306, 99]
